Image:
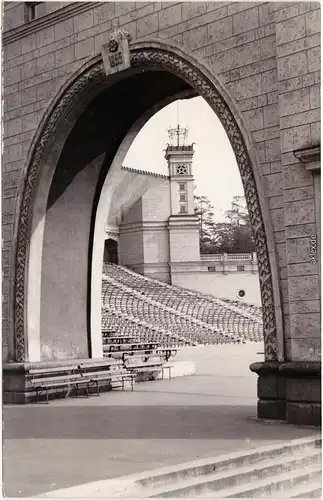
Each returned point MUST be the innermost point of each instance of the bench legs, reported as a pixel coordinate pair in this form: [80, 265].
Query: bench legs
[39, 390]
[128, 378]
[87, 386]
[97, 393]
[86, 389]
[169, 368]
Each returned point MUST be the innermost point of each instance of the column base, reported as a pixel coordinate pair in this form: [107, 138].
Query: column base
[289, 392]
[17, 387]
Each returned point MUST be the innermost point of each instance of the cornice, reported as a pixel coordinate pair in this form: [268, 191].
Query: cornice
[142, 172]
[29, 27]
[311, 157]
[140, 226]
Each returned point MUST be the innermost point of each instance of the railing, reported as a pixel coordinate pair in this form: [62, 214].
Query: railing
[239, 256]
[212, 256]
[218, 257]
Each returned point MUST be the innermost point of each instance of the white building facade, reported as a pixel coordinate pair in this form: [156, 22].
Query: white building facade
[157, 235]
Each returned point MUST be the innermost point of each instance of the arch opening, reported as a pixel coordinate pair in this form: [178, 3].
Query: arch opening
[111, 250]
[74, 174]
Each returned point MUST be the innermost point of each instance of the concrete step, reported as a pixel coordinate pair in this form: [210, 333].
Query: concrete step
[291, 465]
[244, 478]
[271, 487]
[310, 489]
[228, 462]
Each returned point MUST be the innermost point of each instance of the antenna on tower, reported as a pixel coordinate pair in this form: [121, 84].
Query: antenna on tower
[177, 135]
[177, 106]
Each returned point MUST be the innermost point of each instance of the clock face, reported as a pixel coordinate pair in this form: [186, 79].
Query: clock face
[181, 170]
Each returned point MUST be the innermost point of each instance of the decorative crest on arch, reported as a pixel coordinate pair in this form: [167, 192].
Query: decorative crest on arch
[149, 58]
[116, 52]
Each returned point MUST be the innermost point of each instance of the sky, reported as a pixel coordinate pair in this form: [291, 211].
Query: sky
[214, 165]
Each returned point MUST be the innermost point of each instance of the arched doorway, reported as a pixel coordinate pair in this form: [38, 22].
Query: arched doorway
[75, 147]
[110, 255]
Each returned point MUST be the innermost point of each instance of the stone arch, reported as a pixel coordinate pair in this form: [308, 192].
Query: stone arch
[157, 55]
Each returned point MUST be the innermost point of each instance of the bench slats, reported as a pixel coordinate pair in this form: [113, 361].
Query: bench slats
[104, 364]
[117, 369]
[44, 379]
[144, 365]
[58, 369]
[52, 383]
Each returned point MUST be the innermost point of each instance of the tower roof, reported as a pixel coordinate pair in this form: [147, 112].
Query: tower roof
[177, 139]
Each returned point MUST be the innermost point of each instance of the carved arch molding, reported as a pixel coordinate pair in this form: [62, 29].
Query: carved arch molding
[151, 58]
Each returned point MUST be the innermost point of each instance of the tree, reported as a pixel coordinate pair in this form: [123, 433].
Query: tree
[238, 218]
[204, 211]
[238, 214]
[232, 236]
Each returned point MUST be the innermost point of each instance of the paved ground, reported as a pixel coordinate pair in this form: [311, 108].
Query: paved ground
[74, 441]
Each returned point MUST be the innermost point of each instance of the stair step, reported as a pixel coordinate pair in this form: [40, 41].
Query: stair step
[196, 486]
[271, 487]
[309, 489]
[202, 467]
[314, 492]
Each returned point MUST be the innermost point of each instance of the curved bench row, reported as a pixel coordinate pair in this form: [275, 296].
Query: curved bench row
[117, 296]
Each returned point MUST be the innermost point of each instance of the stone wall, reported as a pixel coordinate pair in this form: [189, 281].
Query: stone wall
[266, 54]
[292, 186]
[221, 286]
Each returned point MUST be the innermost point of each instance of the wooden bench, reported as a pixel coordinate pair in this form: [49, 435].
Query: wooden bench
[132, 346]
[145, 366]
[134, 353]
[94, 377]
[73, 377]
[144, 354]
[119, 340]
[128, 355]
[149, 366]
[68, 377]
[167, 353]
[105, 332]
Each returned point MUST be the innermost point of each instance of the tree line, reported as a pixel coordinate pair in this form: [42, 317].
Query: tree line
[232, 236]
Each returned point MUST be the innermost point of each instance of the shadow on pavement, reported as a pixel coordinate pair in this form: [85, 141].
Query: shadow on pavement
[138, 422]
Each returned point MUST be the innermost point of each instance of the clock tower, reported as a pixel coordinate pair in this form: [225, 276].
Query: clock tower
[183, 223]
[179, 156]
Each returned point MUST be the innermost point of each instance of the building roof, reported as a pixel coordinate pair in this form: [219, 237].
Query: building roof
[142, 172]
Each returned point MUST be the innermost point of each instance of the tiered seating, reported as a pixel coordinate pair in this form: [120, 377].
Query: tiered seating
[137, 356]
[127, 325]
[200, 319]
[116, 298]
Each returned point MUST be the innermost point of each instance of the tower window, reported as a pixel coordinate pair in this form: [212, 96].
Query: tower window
[183, 209]
[211, 269]
[181, 170]
[182, 197]
[240, 268]
[182, 187]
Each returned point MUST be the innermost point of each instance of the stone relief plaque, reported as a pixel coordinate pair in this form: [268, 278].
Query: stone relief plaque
[115, 52]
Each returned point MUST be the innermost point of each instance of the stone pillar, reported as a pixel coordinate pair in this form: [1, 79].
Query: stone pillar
[224, 263]
[289, 389]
